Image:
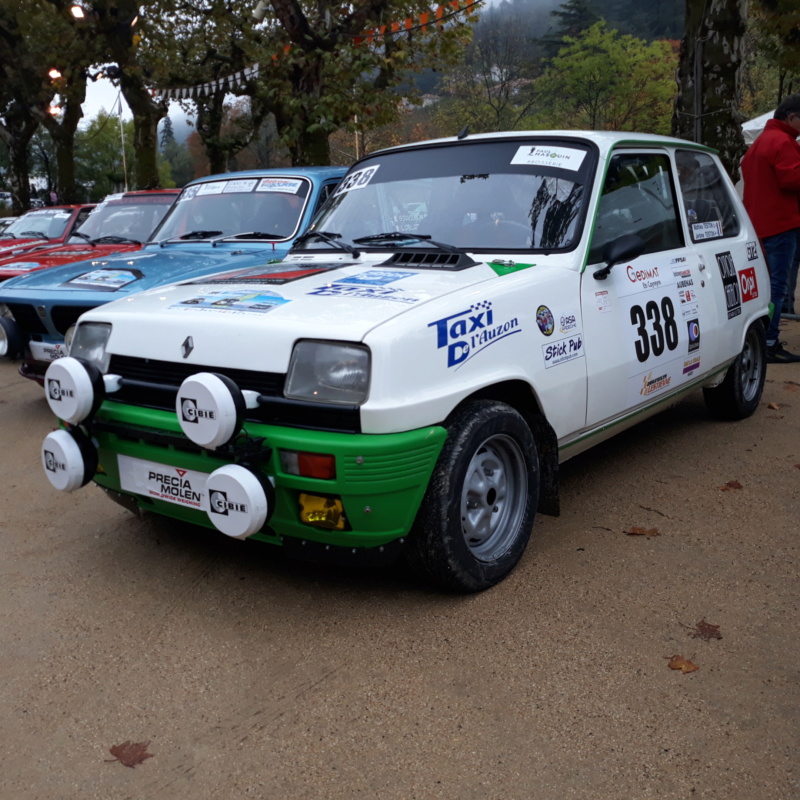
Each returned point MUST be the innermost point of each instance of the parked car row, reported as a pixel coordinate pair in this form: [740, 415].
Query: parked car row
[461, 316]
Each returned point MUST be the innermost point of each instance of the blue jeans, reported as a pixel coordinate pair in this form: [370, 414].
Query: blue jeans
[779, 250]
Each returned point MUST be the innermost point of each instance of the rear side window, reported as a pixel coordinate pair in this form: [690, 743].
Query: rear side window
[638, 197]
[706, 197]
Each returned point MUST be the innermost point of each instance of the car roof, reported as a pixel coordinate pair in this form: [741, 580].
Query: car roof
[604, 140]
[320, 173]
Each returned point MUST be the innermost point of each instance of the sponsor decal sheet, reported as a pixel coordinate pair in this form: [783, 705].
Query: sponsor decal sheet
[659, 310]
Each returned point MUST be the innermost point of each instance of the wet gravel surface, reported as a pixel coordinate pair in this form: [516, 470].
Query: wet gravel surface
[253, 676]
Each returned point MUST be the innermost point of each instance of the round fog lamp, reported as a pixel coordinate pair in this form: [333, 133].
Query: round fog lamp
[69, 460]
[74, 389]
[210, 409]
[239, 501]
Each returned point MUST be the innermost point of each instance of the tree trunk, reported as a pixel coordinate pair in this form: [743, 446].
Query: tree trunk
[16, 136]
[63, 136]
[146, 116]
[210, 113]
[712, 54]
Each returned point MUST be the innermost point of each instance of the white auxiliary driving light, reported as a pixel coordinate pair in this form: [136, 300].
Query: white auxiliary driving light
[210, 409]
[69, 459]
[74, 389]
[239, 501]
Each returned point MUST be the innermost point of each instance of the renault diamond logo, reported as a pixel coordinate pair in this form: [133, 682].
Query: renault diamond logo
[187, 346]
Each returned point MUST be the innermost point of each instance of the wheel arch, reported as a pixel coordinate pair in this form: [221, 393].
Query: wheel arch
[520, 396]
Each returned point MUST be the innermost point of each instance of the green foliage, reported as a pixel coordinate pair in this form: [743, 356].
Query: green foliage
[603, 81]
[98, 156]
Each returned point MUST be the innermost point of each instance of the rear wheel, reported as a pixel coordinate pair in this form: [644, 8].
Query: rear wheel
[739, 394]
[477, 515]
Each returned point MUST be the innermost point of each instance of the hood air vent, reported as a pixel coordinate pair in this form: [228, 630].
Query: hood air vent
[425, 259]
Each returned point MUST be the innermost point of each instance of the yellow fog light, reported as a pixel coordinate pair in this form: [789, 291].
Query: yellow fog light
[322, 512]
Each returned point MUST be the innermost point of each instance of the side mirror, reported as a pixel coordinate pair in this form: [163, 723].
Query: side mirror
[624, 248]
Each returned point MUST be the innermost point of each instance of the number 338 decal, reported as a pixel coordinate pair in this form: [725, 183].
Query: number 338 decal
[660, 318]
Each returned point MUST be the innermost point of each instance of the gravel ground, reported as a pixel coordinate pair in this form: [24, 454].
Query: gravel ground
[252, 676]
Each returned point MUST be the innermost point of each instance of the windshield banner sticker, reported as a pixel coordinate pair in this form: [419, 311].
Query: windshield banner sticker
[104, 280]
[215, 187]
[234, 300]
[468, 332]
[356, 180]
[536, 155]
[285, 185]
[706, 230]
[241, 185]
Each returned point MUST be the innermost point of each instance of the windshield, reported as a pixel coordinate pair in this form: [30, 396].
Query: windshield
[270, 207]
[131, 218]
[49, 222]
[482, 195]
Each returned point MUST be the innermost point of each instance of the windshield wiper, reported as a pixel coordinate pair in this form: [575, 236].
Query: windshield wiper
[256, 235]
[396, 236]
[199, 235]
[33, 235]
[331, 239]
[84, 236]
[114, 240]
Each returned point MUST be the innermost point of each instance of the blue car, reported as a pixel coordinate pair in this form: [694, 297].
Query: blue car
[223, 222]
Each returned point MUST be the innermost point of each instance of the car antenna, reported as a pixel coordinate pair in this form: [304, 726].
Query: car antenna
[463, 133]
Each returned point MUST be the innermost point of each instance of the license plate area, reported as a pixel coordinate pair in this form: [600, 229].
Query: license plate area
[183, 487]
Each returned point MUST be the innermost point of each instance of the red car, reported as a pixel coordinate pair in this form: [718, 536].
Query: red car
[42, 226]
[120, 223]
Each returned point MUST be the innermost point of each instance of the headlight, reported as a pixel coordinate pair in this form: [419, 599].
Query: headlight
[89, 343]
[329, 373]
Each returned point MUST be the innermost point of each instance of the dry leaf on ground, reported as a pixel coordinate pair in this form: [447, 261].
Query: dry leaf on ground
[730, 485]
[635, 530]
[774, 406]
[129, 753]
[681, 663]
[705, 630]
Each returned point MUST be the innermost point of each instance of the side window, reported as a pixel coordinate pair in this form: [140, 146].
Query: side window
[706, 198]
[83, 215]
[638, 197]
[324, 193]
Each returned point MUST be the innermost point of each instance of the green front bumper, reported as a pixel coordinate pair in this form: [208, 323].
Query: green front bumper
[381, 479]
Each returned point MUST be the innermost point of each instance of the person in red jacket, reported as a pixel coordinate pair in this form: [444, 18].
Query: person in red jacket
[771, 173]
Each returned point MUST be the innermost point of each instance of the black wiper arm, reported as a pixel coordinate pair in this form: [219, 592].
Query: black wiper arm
[83, 236]
[396, 236]
[199, 235]
[331, 239]
[256, 235]
[34, 235]
[114, 240]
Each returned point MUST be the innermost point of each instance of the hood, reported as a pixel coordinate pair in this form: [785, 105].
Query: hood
[125, 273]
[55, 256]
[251, 319]
[13, 247]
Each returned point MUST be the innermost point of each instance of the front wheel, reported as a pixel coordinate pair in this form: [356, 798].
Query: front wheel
[739, 394]
[477, 514]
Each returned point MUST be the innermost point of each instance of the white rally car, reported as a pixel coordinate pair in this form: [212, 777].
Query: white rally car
[464, 315]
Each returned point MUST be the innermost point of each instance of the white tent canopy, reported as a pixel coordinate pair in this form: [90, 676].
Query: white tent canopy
[753, 127]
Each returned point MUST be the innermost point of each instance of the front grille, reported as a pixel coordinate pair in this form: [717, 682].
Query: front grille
[27, 318]
[65, 316]
[163, 378]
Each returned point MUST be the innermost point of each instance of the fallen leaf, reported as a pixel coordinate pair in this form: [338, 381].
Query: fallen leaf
[681, 663]
[791, 386]
[797, 466]
[705, 630]
[129, 753]
[634, 530]
[730, 485]
[774, 406]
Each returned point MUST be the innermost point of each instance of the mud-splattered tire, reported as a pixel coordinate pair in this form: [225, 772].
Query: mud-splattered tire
[739, 394]
[478, 511]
